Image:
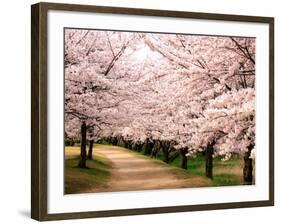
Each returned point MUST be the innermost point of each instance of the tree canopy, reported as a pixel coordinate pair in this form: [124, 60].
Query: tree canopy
[191, 90]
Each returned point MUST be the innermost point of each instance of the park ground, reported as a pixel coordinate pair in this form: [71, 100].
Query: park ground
[115, 168]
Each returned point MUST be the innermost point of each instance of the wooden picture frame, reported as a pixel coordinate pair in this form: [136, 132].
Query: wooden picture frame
[39, 110]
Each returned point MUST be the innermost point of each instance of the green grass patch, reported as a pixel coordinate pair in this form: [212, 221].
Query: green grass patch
[226, 173]
[78, 180]
[226, 179]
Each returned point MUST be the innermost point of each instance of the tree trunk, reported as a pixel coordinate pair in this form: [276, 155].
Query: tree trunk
[114, 141]
[139, 147]
[90, 152]
[135, 146]
[121, 142]
[248, 166]
[83, 154]
[209, 161]
[151, 146]
[126, 144]
[155, 149]
[130, 144]
[72, 142]
[165, 150]
[183, 153]
[147, 147]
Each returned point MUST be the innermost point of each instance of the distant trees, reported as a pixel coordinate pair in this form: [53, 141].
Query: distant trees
[179, 94]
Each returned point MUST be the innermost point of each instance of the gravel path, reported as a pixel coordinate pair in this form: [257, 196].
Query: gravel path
[132, 171]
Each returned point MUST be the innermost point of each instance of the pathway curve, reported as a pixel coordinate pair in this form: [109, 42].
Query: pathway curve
[132, 171]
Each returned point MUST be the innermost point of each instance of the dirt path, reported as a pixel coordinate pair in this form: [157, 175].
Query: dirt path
[132, 171]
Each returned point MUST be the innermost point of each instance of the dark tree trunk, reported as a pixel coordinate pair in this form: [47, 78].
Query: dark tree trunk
[154, 153]
[148, 147]
[165, 150]
[90, 152]
[83, 156]
[130, 144]
[183, 156]
[209, 161]
[143, 147]
[121, 142]
[72, 142]
[151, 146]
[126, 144]
[134, 146]
[139, 147]
[115, 140]
[109, 140]
[155, 149]
[248, 166]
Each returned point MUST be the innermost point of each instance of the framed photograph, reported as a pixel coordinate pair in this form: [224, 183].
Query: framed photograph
[140, 111]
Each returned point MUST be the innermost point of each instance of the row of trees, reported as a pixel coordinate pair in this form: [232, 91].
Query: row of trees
[181, 94]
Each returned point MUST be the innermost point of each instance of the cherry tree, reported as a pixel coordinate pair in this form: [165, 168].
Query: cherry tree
[90, 59]
[179, 93]
[213, 76]
[213, 66]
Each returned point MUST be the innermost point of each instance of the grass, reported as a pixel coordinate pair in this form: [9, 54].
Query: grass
[225, 173]
[78, 180]
[97, 177]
